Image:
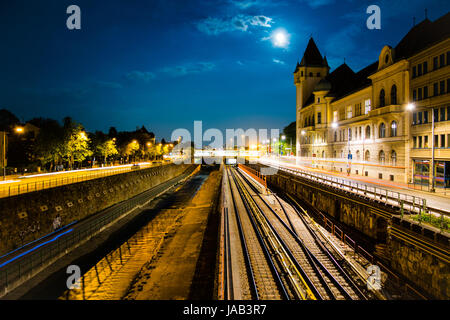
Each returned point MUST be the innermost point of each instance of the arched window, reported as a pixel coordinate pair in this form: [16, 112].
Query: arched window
[342, 154]
[335, 136]
[357, 155]
[382, 131]
[334, 154]
[323, 154]
[367, 156]
[381, 157]
[394, 94]
[394, 128]
[393, 158]
[382, 98]
[368, 132]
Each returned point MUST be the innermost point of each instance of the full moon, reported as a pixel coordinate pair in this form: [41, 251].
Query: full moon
[280, 38]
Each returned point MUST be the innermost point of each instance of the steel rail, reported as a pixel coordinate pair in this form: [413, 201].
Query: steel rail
[310, 290]
[251, 276]
[260, 237]
[325, 250]
[313, 260]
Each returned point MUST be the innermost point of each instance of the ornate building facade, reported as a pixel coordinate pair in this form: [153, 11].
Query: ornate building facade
[377, 122]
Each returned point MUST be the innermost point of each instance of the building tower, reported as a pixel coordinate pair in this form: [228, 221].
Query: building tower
[312, 68]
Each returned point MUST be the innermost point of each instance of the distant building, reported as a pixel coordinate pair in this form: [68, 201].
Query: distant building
[359, 121]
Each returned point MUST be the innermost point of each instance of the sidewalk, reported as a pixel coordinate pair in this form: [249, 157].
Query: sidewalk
[434, 200]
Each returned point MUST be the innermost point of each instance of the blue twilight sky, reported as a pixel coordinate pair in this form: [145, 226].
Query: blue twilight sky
[166, 63]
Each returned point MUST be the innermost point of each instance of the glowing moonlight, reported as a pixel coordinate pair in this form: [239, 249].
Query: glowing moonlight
[280, 38]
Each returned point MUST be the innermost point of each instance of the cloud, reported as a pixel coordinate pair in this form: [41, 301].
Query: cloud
[240, 63]
[215, 26]
[317, 3]
[189, 68]
[108, 85]
[277, 61]
[143, 76]
[245, 4]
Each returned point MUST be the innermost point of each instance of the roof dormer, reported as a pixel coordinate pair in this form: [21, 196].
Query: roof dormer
[386, 57]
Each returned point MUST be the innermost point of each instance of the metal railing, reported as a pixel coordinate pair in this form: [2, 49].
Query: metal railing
[14, 189]
[17, 270]
[405, 203]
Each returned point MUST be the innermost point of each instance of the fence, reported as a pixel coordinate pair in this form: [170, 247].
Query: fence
[13, 189]
[405, 202]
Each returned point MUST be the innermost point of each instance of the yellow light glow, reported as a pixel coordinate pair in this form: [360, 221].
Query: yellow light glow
[19, 129]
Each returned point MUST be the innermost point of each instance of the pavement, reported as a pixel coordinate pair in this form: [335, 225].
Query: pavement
[434, 200]
[15, 184]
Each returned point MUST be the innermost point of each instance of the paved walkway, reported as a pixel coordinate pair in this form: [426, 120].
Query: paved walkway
[434, 200]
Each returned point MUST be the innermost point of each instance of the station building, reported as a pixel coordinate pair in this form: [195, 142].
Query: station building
[377, 122]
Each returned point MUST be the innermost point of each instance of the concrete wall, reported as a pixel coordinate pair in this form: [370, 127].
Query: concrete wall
[27, 217]
[370, 219]
[419, 253]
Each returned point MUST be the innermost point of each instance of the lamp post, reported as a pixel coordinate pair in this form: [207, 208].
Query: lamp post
[410, 107]
[283, 138]
[432, 150]
[18, 130]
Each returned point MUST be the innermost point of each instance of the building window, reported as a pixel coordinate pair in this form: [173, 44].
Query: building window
[349, 134]
[442, 60]
[357, 109]
[302, 73]
[414, 120]
[435, 89]
[382, 130]
[419, 70]
[367, 106]
[436, 114]
[442, 114]
[368, 132]
[442, 87]
[357, 155]
[393, 128]
[436, 141]
[335, 136]
[425, 92]
[425, 117]
[435, 63]
[318, 74]
[310, 74]
[334, 154]
[393, 158]
[420, 142]
[394, 94]
[382, 157]
[349, 112]
[414, 73]
[425, 67]
[419, 118]
[414, 142]
[425, 142]
[367, 156]
[419, 94]
[382, 98]
[319, 117]
[442, 140]
[414, 95]
[448, 113]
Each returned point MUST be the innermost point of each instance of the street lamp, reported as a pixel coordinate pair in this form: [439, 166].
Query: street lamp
[18, 130]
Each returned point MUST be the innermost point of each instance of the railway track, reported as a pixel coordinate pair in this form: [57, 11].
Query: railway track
[305, 266]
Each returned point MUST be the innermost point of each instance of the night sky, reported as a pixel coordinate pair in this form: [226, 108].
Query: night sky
[166, 63]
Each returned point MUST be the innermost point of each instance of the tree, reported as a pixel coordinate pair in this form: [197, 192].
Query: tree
[76, 146]
[7, 120]
[49, 143]
[107, 149]
[290, 132]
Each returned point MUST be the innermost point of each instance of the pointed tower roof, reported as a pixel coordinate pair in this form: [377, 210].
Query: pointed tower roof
[312, 56]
